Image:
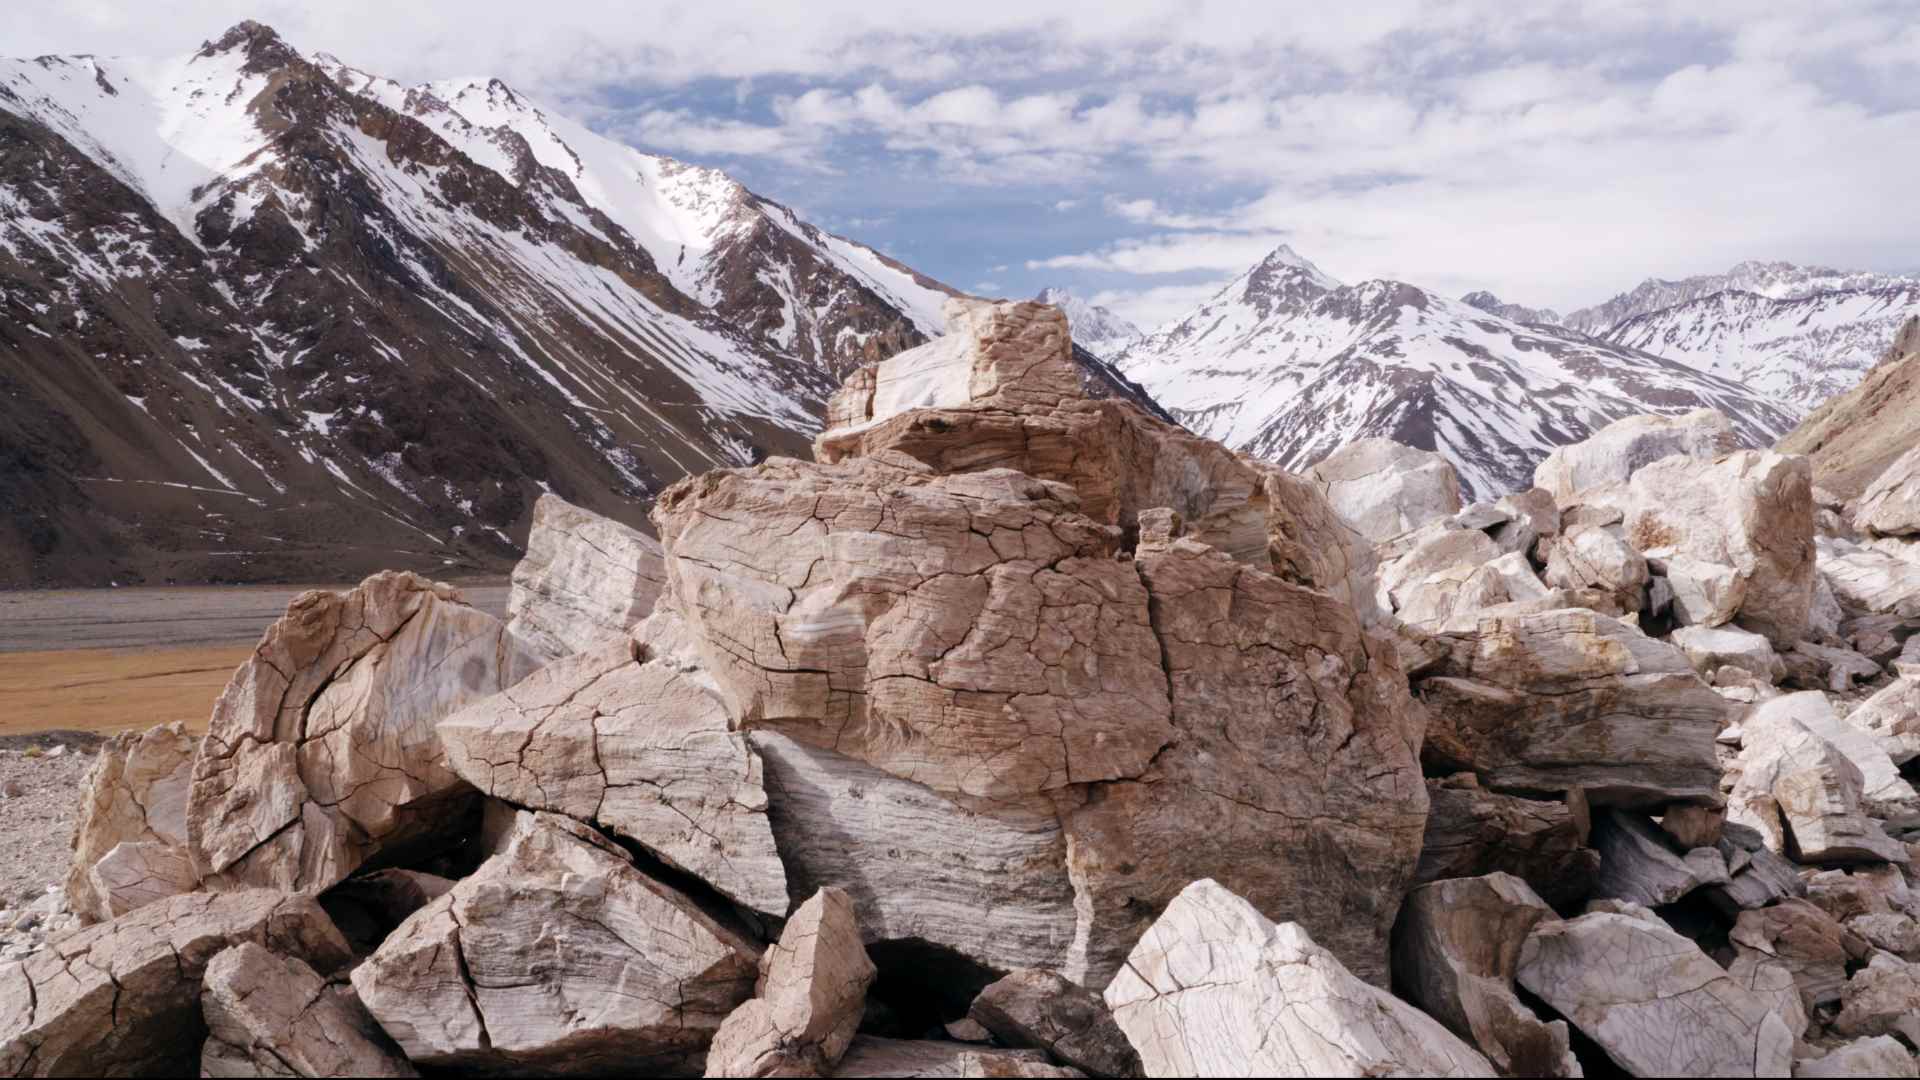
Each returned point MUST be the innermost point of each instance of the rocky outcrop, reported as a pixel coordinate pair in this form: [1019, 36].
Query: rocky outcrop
[270, 1015]
[1040, 1010]
[1613, 454]
[1853, 438]
[1455, 950]
[1385, 489]
[557, 954]
[321, 751]
[585, 580]
[135, 794]
[1558, 700]
[812, 986]
[1750, 510]
[1652, 1000]
[1216, 989]
[123, 997]
[642, 749]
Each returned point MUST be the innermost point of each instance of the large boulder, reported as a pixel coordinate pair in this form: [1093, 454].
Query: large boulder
[557, 954]
[1652, 1000]
[1591, 557]
[1878, 1055]
[1882, 998]
[1217, 989]
[1751, 510]
[321, 752]
[270, 1015]
[1870, 581]
[813, 985]
[1891, 504]
[1558, 700]
[1040, 1010]
[1614, 453]
[1804, 940]
[1455, 950]
[1473, 832]
[123, 997]
[1385, 489]
[1711, 648]
[973, 636]
[584, 580]
[1892, 717]
[642, 749]
[1802, 793]
[1639, 863]
[134, 794]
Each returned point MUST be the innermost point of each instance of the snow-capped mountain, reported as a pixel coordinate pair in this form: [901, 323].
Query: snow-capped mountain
[1287, 364]
[1095, 329]
[268, 316]
[1519, 313]
[1773, 280]
[1799, 350]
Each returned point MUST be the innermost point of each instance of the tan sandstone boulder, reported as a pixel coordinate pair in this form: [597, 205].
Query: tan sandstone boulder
[270, 1015]
[557, 955]
[584, 580]
[135, 794]
[321, 752]
[123, 997]
[1217, 989]
[813, 985]
[642, 749]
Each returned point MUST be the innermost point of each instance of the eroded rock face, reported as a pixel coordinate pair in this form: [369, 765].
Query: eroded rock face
[1558, 700]
[1891, 504]
[1216, 989]
[557, 954]
[812, 987]
[585, 580]
[135, 793]
[1455, 950]
[1751, 510]
[1040, 1010]
[270, 1015]
[321, 751]
[1385, 489]
[1652, 1000]
[123, 997]
[1614, 453]
[642, 749]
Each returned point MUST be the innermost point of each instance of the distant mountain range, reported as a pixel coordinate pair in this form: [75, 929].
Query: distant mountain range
[267, 316]
[1288, 364]
[1095, 329]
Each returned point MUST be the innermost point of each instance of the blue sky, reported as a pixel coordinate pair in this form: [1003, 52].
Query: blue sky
[1142, 153]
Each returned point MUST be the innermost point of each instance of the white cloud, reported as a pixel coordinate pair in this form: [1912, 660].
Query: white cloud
[1156, 305]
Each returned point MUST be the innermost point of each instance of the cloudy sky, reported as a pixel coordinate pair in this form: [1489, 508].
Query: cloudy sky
[1142, 153]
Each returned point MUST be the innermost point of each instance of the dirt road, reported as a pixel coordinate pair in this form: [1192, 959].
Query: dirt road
[112, 659]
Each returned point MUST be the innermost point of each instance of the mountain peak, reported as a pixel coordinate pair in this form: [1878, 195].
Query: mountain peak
[1095, 328]
[1520, 313]
[259, 43]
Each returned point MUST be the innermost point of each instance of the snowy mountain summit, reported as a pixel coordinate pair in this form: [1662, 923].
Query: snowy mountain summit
[1095, 329]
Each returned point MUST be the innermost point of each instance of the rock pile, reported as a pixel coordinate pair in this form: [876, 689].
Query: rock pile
[1025, 734]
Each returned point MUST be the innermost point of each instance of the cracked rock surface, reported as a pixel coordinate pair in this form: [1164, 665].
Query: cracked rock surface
[584, 581]
[642, 749]
[135, 794]
[1386, 489]
[123, 997]
[321, 752]
[813, 985]
[270, 1015]
[1217, 989]
[557, 954]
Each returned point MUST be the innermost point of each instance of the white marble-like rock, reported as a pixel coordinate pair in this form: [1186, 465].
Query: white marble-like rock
[270, 1015]
[321, 752]
[585, 580]
[138, 872]
[1892, 717]
[1652, 1000]
[1882, 998]
[1216, 989]
[1867, 580]
[1385, 489]
[1802, 792]
[1590, 557]
[1711, 648]
[896, 1058]
[135, 793]
[1878, 1055]
[1614, 453]
[813, 985]
[642, 749]
[1704, 593]
[1890, 506]
[557, 955]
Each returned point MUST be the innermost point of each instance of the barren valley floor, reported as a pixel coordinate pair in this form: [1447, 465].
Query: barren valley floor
[108, 660]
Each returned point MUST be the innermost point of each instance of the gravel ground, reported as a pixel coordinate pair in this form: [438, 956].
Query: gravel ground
[39, 794]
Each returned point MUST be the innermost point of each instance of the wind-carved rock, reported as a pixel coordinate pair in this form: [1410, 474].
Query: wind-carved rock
[133, 818]
[979, 646]
[1386, 489]
[557, 954]
[271, 1015]
[585, 580]
[813, 985]
[321, 751]
[1217, 989]
[642, 749]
